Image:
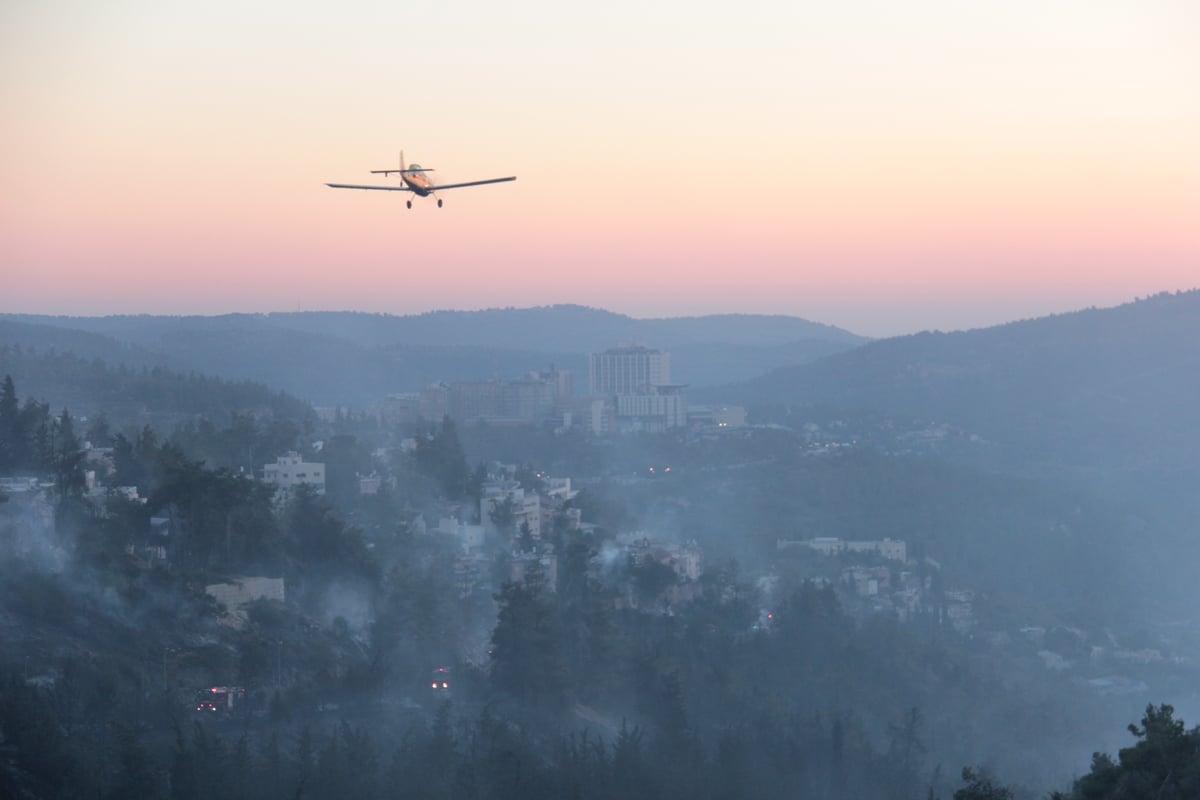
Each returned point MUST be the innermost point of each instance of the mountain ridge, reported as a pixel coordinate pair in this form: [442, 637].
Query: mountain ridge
[1075, 386]
[510, 326]
[355, 358]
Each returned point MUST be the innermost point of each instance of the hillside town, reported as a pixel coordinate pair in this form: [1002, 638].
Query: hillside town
[515, 522]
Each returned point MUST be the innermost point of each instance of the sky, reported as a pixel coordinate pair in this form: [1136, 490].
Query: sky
[882, 166]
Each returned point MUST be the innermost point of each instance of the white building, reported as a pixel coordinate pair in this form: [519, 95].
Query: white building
[560, 488]
[526, 508]
[665, 407]
[632, 369]
[891, 549]
[826, 545]
[290, 471]
[632, 391]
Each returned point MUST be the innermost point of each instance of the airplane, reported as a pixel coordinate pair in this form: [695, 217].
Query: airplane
[416, 180]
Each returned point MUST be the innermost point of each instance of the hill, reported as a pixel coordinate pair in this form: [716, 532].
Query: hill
[1117, 386]
[559, 328]
[138, 395]
[52, 337]
[353, 359]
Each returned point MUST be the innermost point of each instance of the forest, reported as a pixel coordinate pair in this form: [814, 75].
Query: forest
[558, 688]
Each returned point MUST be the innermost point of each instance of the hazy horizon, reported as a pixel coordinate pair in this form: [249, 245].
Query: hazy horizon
[869, 325]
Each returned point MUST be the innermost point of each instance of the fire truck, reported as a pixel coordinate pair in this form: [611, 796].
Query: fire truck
[220, 698]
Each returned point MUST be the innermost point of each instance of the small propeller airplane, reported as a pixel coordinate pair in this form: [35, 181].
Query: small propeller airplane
[416, 180]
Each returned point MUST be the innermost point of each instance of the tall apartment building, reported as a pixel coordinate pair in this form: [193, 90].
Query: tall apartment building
[631, 369]
[634, 383]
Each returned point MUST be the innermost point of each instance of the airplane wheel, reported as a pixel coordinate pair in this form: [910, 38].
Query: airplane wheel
[439, 202]
[408, 203]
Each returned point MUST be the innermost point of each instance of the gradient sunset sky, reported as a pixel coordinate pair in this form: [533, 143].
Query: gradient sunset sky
[886, 166]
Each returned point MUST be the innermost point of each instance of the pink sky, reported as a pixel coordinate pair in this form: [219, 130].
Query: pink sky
[884, 167]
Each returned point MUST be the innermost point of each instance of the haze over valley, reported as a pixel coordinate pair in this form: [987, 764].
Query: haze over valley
[951, 537]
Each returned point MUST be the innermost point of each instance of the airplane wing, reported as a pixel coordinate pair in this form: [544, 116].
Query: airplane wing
[440, 187]
[378, 188]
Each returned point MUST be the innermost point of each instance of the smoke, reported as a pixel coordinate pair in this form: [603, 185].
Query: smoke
[28, 533]
[350, 603]
[609, 557]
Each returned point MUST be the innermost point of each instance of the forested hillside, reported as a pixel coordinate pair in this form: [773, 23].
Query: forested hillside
[1114, 385]
[138, 394]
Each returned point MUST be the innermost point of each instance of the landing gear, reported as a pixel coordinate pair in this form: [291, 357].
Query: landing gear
[408, 203]
[439, 202]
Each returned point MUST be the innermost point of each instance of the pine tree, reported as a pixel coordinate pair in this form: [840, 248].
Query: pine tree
[10, 427]
[526, 648]
[67, 458]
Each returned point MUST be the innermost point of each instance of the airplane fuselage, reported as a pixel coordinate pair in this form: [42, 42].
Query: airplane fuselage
[417, 181]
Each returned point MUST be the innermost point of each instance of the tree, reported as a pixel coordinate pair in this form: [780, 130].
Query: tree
[905, 752]
[361, 762]
[198, 502]
[304, 761]
[223, 519]
[525, 540]
[980, 787]
[809, 613]
[38, 428]
[184, 769]
[65, 440]
[1164, 764]
[241, 438]
[99, 432]
[136, 774]
[427, 760]
[67, 459]
[526, 648]
[503, 515]
[585, 617]
[440, 456]
[631, 772]
[345, 459]
[417, 617]
[321, 546]
[662, 701]
[10, 427]
[650, 579]
[475, 483]
[135, 460]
